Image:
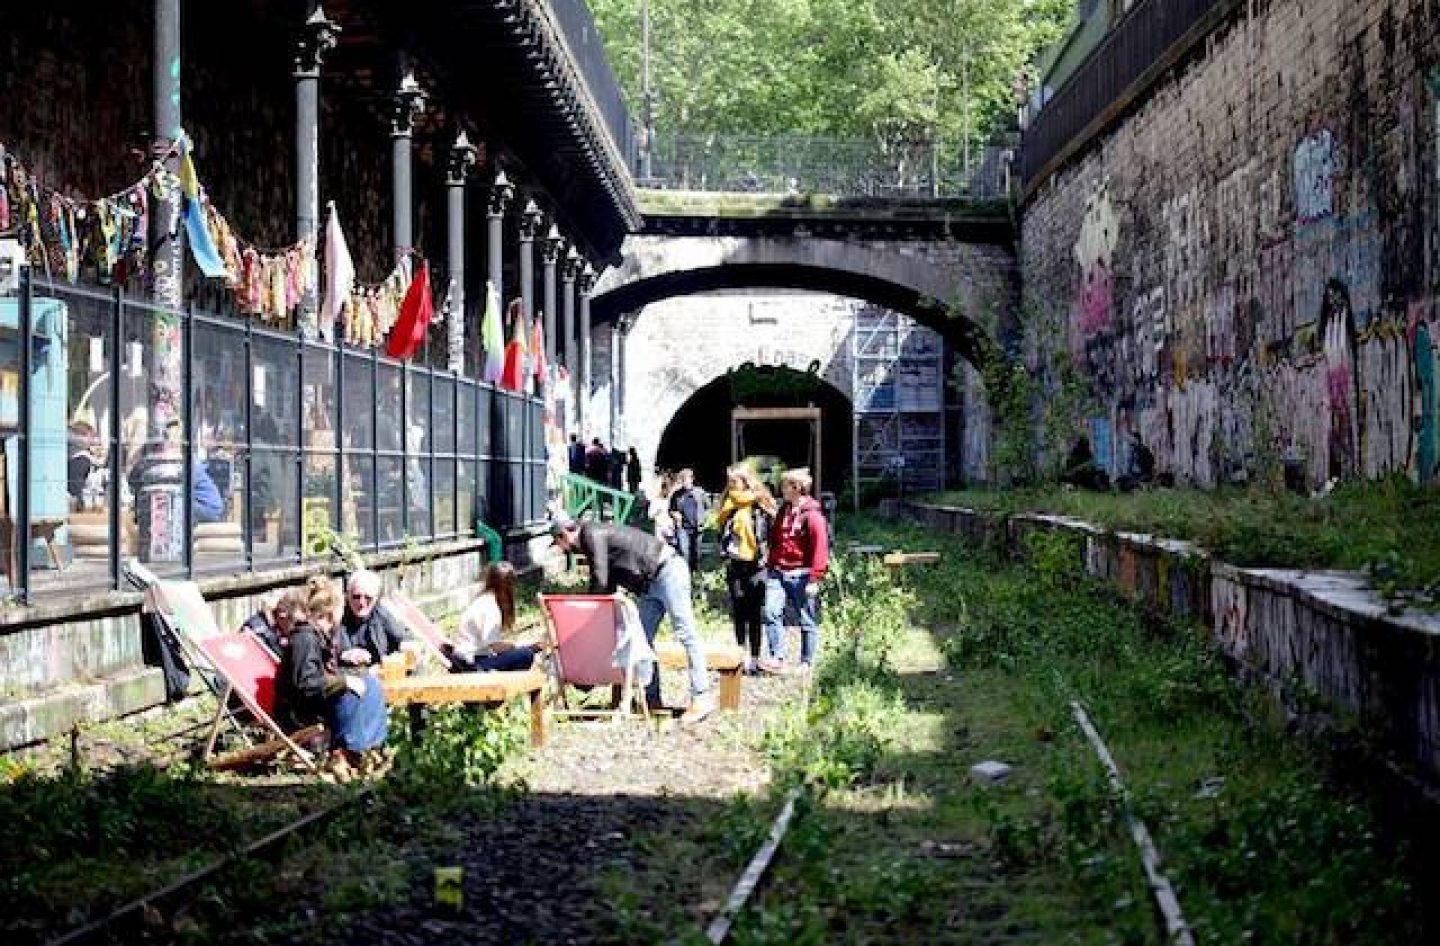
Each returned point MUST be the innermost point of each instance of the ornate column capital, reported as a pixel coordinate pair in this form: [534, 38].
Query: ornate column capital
[317, 37]
[501, 193]
[587, 278]
[531, 220]
[461, 160]
[552, 248]
[573, 266]
[408, 103]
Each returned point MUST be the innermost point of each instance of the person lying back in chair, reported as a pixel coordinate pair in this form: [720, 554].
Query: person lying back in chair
[480, 643]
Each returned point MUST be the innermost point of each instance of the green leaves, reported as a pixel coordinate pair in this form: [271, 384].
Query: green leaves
[842, 68]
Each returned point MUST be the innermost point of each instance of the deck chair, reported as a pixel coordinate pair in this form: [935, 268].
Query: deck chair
[249, 673]
[582, 632]
[408, 613]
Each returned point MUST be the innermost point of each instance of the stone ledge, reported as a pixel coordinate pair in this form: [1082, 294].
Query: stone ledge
[36, 719]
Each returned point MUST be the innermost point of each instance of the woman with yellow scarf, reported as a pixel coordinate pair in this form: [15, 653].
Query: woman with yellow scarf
[743, 524]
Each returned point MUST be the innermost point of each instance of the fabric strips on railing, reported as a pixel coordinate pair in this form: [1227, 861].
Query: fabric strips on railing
[414, 319]
[65, 236]
[492, 336]
[339, 275]
[514, 377]
[197, 234]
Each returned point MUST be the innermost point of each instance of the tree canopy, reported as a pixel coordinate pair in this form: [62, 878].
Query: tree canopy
[894, 71]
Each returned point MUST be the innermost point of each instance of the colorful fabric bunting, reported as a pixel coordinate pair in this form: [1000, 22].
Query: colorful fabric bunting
[514, 377]
[492, 336]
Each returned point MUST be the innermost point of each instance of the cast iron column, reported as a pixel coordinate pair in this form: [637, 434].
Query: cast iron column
[159, 507]
[462, 159]
[501, 193]
[550, 252]
[569, 272]
[317, 38]
[585, 284]
[409, 102]
[530, 222]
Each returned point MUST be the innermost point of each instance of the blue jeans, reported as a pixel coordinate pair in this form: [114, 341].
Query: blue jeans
[360, 722]
[669, 593]
[789, 587]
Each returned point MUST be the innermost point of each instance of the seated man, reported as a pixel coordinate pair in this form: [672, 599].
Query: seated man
[366, 633]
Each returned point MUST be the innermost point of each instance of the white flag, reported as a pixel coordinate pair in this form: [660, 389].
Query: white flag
[339, 274]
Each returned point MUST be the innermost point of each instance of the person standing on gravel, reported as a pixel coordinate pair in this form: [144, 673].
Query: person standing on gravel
[641, 563]
[799, 555]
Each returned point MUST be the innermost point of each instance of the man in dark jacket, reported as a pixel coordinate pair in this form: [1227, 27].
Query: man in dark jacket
[576, 455]
[687, 508]
[366, 626]
[625, 557]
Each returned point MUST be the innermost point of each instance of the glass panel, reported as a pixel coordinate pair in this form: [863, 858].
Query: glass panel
[275, 527]
[388, 474]
[273, 393]
[483, 505]
[417, 486]
[319, 398]
[518, 473]
[359, 403]
[515, 427]
[444, 497]
[465, 497]
[537, 492]
[318, 506]
[465, 396]
[357, 504]
[444, 432]
[483, 420]
[417, 411]
[387, 408]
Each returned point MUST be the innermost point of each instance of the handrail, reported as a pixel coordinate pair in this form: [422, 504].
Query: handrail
[583, 495]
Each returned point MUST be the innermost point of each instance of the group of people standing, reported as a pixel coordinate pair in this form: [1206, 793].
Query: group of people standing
[776, 556]
[616, 468]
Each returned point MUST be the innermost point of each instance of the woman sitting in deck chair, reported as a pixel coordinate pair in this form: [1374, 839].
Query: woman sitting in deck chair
[480, 643]
[310, 687]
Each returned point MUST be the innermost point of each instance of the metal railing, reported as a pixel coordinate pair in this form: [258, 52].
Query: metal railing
[793, 164]
[1142, 37]
[577, 25]
[584, 495]
[300, 439]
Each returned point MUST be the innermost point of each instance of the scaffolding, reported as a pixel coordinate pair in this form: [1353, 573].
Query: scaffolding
[899, 385]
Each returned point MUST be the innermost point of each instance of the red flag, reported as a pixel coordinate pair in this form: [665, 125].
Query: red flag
[414, 319]
[513, 378]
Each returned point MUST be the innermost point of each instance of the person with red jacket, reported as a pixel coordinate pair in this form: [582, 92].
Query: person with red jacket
[799, 554]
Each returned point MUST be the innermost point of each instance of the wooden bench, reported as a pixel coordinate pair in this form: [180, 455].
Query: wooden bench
[494, 686]
[900, 559]
[726, 659]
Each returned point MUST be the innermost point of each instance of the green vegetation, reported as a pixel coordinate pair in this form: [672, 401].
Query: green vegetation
[932, 670]
[896, 71]
[1390, 528]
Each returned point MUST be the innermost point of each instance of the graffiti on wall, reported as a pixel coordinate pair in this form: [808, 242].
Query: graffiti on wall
[1095, 255]
[1315, 168]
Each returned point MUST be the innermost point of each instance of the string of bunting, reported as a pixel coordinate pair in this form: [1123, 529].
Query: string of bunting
[109, 236]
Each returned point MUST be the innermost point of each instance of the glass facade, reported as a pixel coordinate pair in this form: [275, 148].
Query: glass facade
[207, 444]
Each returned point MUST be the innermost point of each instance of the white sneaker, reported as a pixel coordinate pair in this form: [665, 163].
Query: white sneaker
[701, 707]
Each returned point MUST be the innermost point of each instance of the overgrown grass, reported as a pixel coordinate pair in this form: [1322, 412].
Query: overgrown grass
[898, 844]
[1390, 528]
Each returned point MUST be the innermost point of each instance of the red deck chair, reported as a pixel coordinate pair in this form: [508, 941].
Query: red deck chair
[425, 630]
[582, 633]
[249, 671]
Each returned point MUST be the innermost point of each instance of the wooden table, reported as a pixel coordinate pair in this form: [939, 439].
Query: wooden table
[495, 686]
[726, 659]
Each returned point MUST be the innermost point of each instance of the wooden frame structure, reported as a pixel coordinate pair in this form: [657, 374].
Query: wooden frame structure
[740, 416]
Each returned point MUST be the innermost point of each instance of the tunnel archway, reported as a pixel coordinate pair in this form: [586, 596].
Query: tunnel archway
[698, 435]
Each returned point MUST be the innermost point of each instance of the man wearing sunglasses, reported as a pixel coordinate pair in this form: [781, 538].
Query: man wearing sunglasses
[367, 633]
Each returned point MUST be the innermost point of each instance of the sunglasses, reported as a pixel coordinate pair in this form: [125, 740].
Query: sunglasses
[361, 596]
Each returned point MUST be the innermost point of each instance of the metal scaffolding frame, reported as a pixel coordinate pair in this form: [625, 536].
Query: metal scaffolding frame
[899, 416]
